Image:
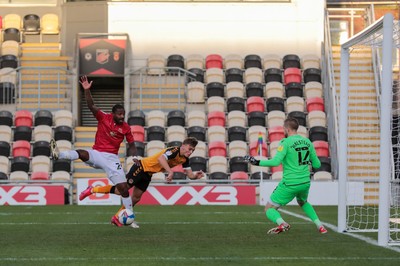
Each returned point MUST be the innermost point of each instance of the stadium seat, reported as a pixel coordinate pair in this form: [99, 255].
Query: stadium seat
[215, 103]
[23, 133]
[42, 132]
[310, 61]
[216, 119]
[63, 133]
[217, 164]
[154, 146]
[252, 61]
[214, 75]
[176, 133]
[198, 163]
[216, 133]
[175, 61]
[21, 148]
[234, 89]
[140, 147]
[196, 118]
[8, 75]
[315, 104]
[156, 133]
[31, 24]
[254, 148]
[19, 176]
[273, 147]
[194, 61]
[62, 165]
[294, 89]
[236, 118]
[179, 176]
[322, 176]
[325, 165]
[236, 104]
[302, 131]
[295, 103]
[5, 133]
[316, 118]
[254, 89]
[312, 74]
[291, 61]
[41, 147]
[255, 131]
[201, 150]
[276, 133]
[260, 176]
[300, 116]
[237, 164]
[61, 176]
[253, 74]
[275, 104]
[321, 147]
[292, 75]
[255, 104]
[20, 163]
[275, 118]
[137, 118]
[23, 118]
[4, 164]
[176, 118]
[12, 34]
[138, 133]
[6, 118]
[40, 176]
[217, 148]
[237, 133]
[215, 89]
[276, 175]
[256, 118]
[318, 133]
[233, 75]
[273, 74]
[63, 118]
[198, 74]
[155, 118]
[49, 24]
[41, 163]
[218, 176]
[214, 61]
[195, 92]
[5, 148]
[156, 64]
[7, 92]
[313, 89]
[233, 61]
[10, 47]
[239, 176]
[64, 145]
[274, 89]
[8, 60]
[12, 21]
[272, 61]
[43, 117]
[237, 148]
[3, 176]
[197, 132]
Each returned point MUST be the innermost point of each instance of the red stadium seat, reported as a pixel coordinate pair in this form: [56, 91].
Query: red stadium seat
[292, 74]
[254, 148]
[40, 176]
[217, 148]
[315, 104]
[216, 118]
[21, 148]
[239, 176]
[214, 61]
[138, 133]
[276, 133]
[23, 118]
[321, 147]
[255, 103]
[278, 168]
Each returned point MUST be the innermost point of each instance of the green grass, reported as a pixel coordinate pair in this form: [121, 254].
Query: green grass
[176, 235]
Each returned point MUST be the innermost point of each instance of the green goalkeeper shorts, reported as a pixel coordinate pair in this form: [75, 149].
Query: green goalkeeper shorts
[283, 194]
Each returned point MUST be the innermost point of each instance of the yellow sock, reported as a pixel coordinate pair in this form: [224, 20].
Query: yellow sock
[104, 189]
[122, 207]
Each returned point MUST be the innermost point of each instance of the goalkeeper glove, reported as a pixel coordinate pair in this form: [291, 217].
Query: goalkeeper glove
[251, 160]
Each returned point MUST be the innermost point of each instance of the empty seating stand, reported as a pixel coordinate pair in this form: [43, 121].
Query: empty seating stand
[236, 104]
[233, 74]
[254, 89]
[197, 132]
[6, 118]
[31, 24]
[23, 118]
[214, 61]
[175, 61]
[256, 118]
[8, 60]
[215, 89]
[273, 74]
[136, 117]
[43, 117]
[252, 60]
[176, 117]
[237, 133]
[291, 60]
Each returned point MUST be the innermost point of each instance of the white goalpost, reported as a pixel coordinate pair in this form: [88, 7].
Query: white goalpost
[369, 143]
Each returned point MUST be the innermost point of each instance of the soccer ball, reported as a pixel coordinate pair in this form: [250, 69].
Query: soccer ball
[126, 217]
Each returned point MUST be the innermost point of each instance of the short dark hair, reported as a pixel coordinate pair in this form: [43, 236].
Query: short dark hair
[117, 107]
[191, 141]
[291, 123]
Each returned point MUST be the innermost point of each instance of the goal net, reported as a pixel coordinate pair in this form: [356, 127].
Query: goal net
[369, 142]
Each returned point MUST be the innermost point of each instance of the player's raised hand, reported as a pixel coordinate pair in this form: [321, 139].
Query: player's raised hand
[169, 177]
[199, 174]
[251, 159]
[85, 83]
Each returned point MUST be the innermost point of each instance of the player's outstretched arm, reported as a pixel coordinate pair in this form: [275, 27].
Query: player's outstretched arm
[86, 85]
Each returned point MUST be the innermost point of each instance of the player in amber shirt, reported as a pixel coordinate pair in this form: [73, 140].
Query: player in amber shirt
[139, 176]
[111, 131]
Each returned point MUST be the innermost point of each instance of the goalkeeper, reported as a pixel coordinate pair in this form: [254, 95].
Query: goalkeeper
[296, 153]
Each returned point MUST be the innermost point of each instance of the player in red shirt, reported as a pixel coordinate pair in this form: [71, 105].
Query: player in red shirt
[111, 131]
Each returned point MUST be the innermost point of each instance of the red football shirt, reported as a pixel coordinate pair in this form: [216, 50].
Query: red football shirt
[109, 134]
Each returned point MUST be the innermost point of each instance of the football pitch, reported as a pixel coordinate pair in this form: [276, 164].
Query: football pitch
[177, 235]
